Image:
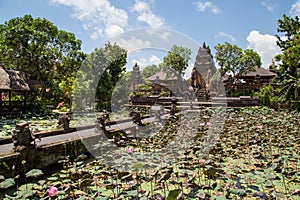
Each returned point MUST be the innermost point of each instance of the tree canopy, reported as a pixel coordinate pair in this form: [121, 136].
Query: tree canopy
[233, 59]
[100, 73]
[289, 59]
[176, 61]
[37, 47]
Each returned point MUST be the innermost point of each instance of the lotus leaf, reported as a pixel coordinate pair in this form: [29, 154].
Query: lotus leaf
[34, 173]
[7, 183]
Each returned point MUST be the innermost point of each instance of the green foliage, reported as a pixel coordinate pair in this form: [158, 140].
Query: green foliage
[7, 183]
[176, 61]
[121, 92]
[234, 60]
[269, 96]
[150, 71]
[99, 75]
[143, 87]
[289, 67]
[37, 47]
[34, 173]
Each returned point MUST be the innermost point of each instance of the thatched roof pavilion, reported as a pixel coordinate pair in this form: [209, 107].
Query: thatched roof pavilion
[260, 73]
[13, 82]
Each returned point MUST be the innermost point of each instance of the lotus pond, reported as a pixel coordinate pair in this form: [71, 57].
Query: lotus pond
[48, 123]
[256, 157]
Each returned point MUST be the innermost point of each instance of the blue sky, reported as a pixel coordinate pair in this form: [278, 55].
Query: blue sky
[138, 24]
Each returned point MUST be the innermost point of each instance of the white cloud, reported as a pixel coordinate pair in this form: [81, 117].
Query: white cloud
[96, 33]
[202, 6]
[163, 34]
[113, 30]
[269, 5]
[144, 62]
[264, 45]
[145, 14]
[141, 6]
[132, 43]
[226, 35]
[295, 9]
[96, 15]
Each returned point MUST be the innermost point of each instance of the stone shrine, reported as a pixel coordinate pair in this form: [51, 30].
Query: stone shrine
[135, 77]
[204, 63]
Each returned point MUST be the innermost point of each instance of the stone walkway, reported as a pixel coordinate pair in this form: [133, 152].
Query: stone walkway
[8, 148]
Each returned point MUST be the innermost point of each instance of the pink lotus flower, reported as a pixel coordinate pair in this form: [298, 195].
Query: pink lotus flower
[208, 123]
[201, 161]
[52, 191]
[259, 126]
[129, 149]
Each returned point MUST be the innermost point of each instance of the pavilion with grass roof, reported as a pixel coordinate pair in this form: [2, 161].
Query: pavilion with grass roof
[14, 90]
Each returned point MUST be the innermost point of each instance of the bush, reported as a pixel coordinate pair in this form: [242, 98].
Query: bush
[269, 96]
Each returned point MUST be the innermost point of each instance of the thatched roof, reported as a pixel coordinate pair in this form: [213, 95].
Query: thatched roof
[258, 71]
[13, 80]
[162, 76]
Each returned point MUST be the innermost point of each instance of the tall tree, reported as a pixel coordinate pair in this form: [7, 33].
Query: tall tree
[289, 59]
[233, 59]
[38, 47]
[176, 61]
[100, 73]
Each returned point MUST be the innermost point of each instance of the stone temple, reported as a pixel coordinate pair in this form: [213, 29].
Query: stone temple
[135, 77]
[204, 63]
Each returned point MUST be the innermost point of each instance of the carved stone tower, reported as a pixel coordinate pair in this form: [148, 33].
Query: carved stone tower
[204, 62]
[135, 77]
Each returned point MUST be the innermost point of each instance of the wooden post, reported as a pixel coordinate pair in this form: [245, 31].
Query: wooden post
[1, 101]
[9, 99]
[24, 102]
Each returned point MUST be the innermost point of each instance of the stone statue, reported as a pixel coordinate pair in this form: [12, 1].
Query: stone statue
[198, 84]
[22, 136]
[64, 121]
[103, 119]
[136, 117]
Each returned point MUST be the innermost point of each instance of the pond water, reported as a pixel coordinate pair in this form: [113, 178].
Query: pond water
[256, 157]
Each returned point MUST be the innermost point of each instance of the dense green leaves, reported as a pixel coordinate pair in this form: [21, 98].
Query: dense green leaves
[176, 61]
[289, 67]
[99, 74]
[47, 54]
[232, 59]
